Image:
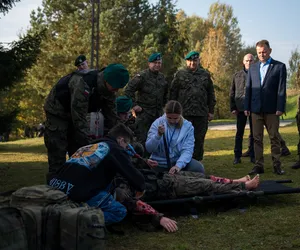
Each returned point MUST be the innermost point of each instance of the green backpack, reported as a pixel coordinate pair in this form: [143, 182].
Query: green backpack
[49, 221]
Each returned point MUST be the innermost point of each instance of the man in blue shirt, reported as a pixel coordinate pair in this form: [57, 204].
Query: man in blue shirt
[265, 99]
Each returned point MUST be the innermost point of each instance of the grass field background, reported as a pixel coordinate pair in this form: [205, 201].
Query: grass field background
[273, 222]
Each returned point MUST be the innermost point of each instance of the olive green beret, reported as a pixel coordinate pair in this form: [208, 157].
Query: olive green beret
[192, 55]
[123, 104]
[154, 57]
[80, 59]
[116, 75]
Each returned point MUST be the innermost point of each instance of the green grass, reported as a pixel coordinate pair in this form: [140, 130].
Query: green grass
[272, 223]
[291, 107]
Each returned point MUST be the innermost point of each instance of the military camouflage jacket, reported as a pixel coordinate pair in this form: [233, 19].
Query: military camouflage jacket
[298, 111]
[148, 90]
[83, 99]
[195, 92]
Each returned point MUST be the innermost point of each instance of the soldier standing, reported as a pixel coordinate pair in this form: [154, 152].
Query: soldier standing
[67, 105]
[194, 89]
[297, 164]
[151, 88]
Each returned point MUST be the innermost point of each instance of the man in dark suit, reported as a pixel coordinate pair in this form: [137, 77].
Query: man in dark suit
[266, 98]
[237, 97]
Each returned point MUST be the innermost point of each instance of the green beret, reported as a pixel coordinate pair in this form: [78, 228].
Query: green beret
[154, 57]
[80, 59]
[116, 75]
[123, 104]
[192, 55]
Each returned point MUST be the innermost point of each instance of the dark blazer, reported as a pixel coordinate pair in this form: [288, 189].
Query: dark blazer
[271, 95]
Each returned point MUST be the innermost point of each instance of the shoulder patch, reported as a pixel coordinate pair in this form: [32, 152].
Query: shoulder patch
[91, 155]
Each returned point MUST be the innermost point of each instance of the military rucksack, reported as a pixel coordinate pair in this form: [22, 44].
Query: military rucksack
[13, 234]
[42, 218]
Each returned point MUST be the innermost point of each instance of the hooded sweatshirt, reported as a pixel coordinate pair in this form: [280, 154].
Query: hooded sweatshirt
[180, 140]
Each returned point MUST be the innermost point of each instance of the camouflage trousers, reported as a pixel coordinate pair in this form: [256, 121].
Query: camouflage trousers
[143, 123]
[185, 184]
[200, 124]
[59, 140]
[298, 126]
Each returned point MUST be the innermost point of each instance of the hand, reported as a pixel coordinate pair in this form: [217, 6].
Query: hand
[210, 116]
[279, 113]
[137, 108]
[168, 224]
[247, 113]
[139, 195]
[161, 129]
[234, 112]
[174, 170]
[152, 163]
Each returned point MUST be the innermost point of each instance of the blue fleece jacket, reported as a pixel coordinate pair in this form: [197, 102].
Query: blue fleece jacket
[180, 141]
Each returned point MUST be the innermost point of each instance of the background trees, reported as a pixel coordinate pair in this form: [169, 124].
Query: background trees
[14, 62]
[294, 70]
[130, 31]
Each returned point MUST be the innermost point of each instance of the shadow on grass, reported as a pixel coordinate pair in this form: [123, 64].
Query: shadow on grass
[15, 148]
[16, 175]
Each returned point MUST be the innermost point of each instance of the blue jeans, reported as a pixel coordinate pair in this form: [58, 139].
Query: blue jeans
[113, 211]
[192, 166]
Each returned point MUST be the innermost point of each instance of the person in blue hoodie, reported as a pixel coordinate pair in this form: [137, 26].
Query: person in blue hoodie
[173, 136]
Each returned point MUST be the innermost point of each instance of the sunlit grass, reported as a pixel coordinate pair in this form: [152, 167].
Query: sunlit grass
[270, 223]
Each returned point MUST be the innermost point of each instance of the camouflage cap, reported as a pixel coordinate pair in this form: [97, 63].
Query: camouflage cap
[116, 75]
[154, 57]
[192, 55]
[123, 104]
[80, 59]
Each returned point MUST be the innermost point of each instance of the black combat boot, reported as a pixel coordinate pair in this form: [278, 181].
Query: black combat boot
[296, 165]
[285, 151]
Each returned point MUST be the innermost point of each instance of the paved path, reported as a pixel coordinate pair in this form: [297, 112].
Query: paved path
[231, 126]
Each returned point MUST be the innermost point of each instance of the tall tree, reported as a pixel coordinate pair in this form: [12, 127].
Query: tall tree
[163, 36]
[196, 29]
[123, 26]
[221, 16]
[66, 26]
[294, 68]
[14, 63]
[6, 5]
[213, 58]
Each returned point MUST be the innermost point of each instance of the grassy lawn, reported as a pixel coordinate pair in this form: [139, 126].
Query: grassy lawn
[273, 222]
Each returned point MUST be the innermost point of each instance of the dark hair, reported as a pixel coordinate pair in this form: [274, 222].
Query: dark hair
[173, 107]
[120, 130]
[262, 43]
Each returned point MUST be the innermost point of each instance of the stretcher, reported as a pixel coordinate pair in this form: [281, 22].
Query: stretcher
[267, 187]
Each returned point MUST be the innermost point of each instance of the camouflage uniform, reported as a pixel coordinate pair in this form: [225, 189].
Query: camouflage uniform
[195, 92]
[152, 89]
[298, 125]
[297, 164]
[160, 186]
[66, 108]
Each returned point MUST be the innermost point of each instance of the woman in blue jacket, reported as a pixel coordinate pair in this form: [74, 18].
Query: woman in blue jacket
[179, 134]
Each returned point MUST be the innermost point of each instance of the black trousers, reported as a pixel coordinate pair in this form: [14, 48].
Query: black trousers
[241, 121]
